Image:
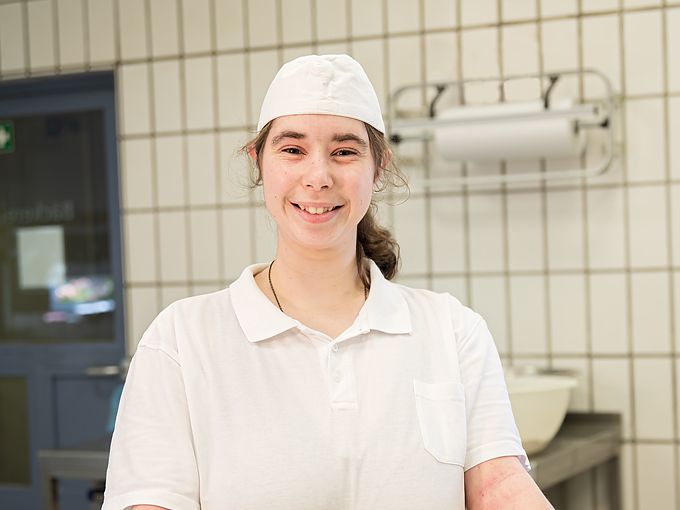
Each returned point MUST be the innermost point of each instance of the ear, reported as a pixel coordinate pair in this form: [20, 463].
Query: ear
[252, 153]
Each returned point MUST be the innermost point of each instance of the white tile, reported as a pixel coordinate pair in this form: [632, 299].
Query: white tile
[525, 232]
[441, 62]
[528, 314]
[475, 12]
[480, 53]
[565, 229]
[132, 20]
[141, 306]
[559, 44]
[332, 48]
[136, 173]
[599, 5]
[409, 229]
[41, 34]
[656, 476]
[367, 17]
[612, 390]
[486, 233]
[414, 282]
[674, 136]
[448, 241]
[677, 389]
[558, 7]
[648, 240]
[173, 246]
[140, 247]
[370, 54]
[170, 185]
[71, 35]
[653, 398]
[229, 24]
[675, 224]
[627, 4]
[520, 49]
[199, 93]
[405, 68]
[296, 21]
[205, 242]
[643, 52]
[231, 89]
[12, 50]
[608, 313]
[403, 16]
[596, 152]
[262, 25]
[580, 400]
[645, 140]
[100, 30]
[627, 477]
[201, 169]
[134, 98]
[205, 288]
[236, 241]
[514, 10]
[601, 51]
[293, 52]
[265, 235]
[676, 312]
[197, 26]
[454, 285]
[568, 314]
[167, 96]
[263, 68]
[164, 27]
[172, 293]
[605, 228]
[440, 14]
[235, 169]
[650, 297]
[673, 48]
[488, 297]
[331, 21]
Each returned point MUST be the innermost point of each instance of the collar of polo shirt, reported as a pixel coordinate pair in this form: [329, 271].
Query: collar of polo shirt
[386, 309]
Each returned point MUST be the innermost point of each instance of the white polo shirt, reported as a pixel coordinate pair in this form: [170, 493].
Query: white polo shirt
[231, 404]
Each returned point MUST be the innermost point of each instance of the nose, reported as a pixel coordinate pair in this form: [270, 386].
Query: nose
[318, 175]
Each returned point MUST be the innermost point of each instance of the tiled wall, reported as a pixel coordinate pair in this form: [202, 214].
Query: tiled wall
[583, 275]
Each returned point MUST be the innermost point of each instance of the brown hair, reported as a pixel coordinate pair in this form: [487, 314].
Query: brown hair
[373, 241]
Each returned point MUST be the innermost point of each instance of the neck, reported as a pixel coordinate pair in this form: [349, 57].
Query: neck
[314, 280]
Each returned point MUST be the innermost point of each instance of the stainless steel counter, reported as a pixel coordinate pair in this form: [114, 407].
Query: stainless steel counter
[584, 441]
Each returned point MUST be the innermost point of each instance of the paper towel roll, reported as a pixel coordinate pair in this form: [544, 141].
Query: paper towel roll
[509, 138]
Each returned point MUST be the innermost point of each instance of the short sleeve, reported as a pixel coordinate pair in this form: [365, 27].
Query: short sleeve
[152, 458]
[491, 428]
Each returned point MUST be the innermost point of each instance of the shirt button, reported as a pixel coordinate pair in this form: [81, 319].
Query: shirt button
[335, 347]
[338, 376]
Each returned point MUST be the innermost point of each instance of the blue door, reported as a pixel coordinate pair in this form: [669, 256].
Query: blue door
[61, 296]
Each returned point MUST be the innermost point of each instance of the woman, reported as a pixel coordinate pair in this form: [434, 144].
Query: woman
[313, 382]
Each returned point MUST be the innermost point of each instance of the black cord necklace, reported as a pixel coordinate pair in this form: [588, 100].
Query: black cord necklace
[271, 286]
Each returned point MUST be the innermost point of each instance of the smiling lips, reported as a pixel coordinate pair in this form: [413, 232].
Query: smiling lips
[319, 212]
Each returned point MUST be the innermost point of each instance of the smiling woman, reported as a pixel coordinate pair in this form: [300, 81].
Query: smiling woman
[313, 381]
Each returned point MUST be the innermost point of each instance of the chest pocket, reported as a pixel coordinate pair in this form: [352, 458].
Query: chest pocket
[442, 420]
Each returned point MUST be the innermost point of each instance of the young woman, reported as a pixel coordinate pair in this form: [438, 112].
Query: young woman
[313, 382]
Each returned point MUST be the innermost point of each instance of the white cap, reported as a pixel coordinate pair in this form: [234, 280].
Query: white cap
[330, 84]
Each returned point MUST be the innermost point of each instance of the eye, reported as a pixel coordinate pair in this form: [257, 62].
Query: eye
[291, 150]
[345, 152]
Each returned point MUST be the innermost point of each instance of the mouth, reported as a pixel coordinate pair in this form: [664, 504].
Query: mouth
[316, 210]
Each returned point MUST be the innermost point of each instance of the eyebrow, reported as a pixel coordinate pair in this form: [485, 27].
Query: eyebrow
[339, 137]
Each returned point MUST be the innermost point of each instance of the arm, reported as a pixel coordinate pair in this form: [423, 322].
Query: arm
[502, 483]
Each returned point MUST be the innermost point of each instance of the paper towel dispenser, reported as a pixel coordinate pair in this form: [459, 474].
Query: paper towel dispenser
[543, 129]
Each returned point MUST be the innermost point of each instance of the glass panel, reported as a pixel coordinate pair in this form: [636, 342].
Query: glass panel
[55, 264]
[14, 456]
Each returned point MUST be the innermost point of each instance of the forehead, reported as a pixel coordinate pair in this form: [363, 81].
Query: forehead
[319, 125]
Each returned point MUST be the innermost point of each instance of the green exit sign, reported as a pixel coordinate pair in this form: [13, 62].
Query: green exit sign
[6, 136]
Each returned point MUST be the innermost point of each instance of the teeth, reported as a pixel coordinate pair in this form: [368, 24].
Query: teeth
[316, 210]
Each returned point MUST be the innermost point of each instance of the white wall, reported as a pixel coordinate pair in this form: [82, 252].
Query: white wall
[584, 275]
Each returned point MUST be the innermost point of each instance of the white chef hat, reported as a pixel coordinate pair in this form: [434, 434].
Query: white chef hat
[330, 84]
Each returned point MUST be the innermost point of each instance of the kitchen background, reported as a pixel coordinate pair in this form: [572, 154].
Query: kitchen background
[583, 275]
